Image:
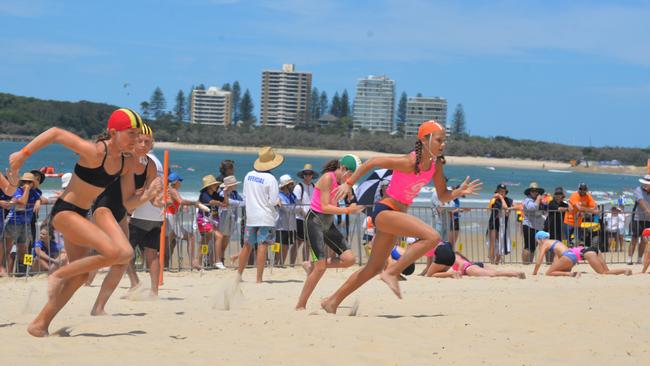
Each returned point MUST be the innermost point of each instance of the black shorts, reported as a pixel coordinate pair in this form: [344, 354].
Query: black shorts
[454, 225]
[494, 223]
[145, 234]
[300, 229]
[586, 250]
[529, 238]
[285, 237]
[117, 209]
[321, 231]
[637, 227]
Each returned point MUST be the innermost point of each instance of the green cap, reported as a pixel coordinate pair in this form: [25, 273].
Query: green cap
[352, 162]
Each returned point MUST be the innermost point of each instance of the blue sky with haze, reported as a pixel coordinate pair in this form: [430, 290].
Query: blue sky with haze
[563, 71]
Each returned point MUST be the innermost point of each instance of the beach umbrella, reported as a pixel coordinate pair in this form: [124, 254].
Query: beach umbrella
[368, 192]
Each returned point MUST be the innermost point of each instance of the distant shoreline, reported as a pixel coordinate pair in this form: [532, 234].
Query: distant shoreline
[453, 160]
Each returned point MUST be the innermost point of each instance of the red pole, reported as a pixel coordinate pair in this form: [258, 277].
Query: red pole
[163, 229]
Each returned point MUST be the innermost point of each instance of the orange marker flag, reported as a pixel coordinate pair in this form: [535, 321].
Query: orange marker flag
[163, 229]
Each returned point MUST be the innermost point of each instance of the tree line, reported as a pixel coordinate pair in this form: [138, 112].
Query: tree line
[30, 116]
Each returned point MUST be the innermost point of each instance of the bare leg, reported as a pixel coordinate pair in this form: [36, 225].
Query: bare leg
[598, 264]
[221, 247]
[493, 244]
[389, 225]
[630, 251]
[476, 271]
[39, 326]
[153, 262]
[318, 270]
[293, 252]
[243, 258]
[261, 260]
[642, 244]
[427, 266]
[561, 267]
[105, 220]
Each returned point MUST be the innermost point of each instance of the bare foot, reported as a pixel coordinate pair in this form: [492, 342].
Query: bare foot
[300, 308]
[37, 330]
[392, 282]
[521, 276]
[129, 293]
[456, 275]
[98, 312]
[628, 272]
[54, 286]
[307, 267]
[326, 304]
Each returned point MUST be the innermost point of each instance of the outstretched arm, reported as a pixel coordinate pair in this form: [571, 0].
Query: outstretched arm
[540, 257]
[87, 150]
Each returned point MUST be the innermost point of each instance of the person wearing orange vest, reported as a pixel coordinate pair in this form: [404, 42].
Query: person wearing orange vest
[580, 203]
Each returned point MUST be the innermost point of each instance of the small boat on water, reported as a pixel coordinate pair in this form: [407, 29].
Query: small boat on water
[559, 171]
[490, 168]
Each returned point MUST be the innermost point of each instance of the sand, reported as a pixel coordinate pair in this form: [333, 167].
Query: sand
[455, 160]
[593, 320]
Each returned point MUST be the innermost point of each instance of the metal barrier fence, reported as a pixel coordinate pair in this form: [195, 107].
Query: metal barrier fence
[480, 234]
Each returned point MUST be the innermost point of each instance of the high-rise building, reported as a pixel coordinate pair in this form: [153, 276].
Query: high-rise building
[211, 107]
[374, 104]
[420, 109]
[285, 97]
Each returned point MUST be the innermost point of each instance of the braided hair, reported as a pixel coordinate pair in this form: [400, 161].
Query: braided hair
[418, 155]
[331, 166]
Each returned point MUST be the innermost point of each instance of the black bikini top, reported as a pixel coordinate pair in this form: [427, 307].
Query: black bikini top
[98, 177]
[140, 179]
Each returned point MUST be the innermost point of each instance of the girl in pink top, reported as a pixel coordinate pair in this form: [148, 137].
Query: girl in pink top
[410, 173]
[320, 230]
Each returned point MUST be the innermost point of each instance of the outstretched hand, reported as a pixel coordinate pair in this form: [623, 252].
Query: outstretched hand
[342, 191]
[470, 188]
[16, 161]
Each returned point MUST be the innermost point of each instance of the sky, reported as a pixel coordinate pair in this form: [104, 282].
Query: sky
[573, 72]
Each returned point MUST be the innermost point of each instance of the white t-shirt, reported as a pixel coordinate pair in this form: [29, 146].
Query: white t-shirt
[261, 198]
[304, 203]
[148, 211]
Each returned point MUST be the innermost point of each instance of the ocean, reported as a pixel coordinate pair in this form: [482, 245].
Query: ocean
[192, 165]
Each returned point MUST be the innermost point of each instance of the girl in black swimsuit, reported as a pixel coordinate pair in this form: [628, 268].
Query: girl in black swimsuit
[69, 214]
[113, 204]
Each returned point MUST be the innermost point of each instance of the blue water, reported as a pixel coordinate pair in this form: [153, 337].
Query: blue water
[204, 163]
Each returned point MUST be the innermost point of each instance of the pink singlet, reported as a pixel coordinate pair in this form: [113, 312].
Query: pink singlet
[315, 198]
[404, 187]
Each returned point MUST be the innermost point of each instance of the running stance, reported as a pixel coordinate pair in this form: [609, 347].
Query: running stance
[410, 173]
[100, 163]
[113, 204]
[321, 229]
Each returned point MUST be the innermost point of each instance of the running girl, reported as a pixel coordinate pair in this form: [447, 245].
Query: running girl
[100, 163]
[410, 173]
[321, 229]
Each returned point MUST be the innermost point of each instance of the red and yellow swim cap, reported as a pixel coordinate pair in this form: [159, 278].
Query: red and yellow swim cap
[146, 130]
[429, 127]
[124, 119]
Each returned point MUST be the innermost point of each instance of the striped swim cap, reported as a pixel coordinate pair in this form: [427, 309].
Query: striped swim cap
[124, 119]
[146, 130]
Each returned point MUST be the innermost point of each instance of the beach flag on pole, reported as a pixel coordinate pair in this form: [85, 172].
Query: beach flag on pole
[163, 229]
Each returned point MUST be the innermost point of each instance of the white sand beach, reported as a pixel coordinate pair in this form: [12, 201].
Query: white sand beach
[592, 320]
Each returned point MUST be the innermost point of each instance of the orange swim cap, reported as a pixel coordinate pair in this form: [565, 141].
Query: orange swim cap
[429, 127]
[124, 119]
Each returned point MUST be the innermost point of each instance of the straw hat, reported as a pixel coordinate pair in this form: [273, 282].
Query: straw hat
[645, 179]
[209, 180]
[268, 159]
[533, 186]
[305, 169]
[229, 181]
[28, 177]
[284, 180]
